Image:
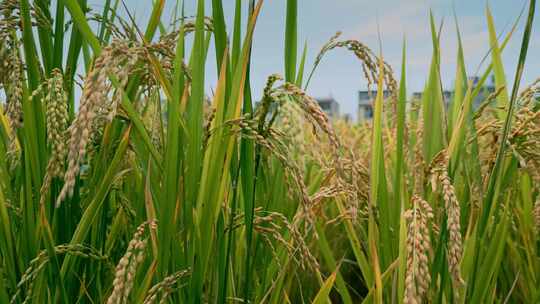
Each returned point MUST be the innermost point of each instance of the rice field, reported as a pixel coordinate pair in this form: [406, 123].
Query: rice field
[123, 180]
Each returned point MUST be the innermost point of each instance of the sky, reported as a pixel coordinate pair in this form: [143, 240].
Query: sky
[340, 75]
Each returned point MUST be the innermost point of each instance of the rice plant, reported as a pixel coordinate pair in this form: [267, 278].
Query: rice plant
[133, 184]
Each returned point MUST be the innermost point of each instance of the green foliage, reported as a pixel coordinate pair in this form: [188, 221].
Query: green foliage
[182, 196]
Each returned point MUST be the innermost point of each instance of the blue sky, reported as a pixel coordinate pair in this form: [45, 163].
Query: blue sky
[340, 73]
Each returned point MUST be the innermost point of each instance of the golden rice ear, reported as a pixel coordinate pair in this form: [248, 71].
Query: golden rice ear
[126, 269]
[434, 178]
[56, 114]
[98, 104]
[418, 247]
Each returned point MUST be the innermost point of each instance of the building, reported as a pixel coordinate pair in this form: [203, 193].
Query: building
[329, 106]
[484, 92]
[366, 98]
[417, 95]
[448, 96]
[347, 118]
[365, 103]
